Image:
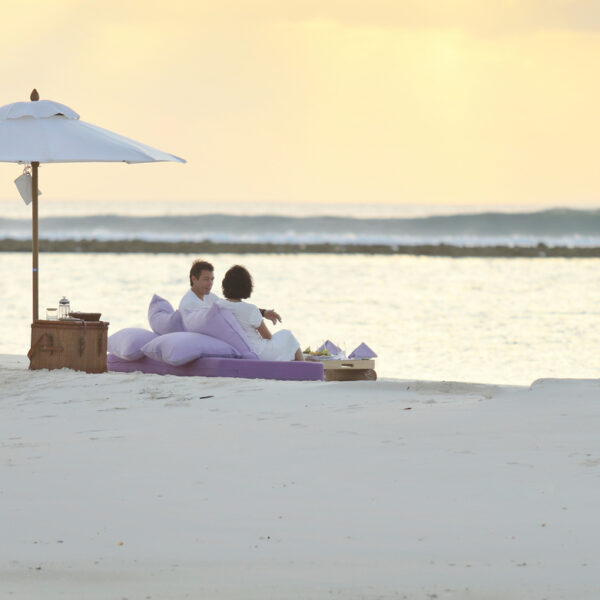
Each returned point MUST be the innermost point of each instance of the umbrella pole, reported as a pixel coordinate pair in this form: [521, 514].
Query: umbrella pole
[34, 235]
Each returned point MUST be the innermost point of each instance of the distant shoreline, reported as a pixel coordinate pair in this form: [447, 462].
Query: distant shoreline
[207, 247]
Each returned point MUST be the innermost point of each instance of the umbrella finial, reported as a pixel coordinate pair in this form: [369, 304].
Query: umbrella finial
[34, 97]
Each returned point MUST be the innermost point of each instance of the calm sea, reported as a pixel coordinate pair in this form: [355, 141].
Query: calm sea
[305, 223]
[478, 320]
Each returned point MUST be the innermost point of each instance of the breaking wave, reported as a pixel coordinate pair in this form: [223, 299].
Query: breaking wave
[556, 227]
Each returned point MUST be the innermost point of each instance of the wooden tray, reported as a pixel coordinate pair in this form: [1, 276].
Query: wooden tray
[348, 369]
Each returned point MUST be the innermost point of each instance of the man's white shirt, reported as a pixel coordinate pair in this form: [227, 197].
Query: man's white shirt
[190, 302]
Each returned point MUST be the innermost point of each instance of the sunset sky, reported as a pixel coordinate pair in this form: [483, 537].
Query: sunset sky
[385, 101]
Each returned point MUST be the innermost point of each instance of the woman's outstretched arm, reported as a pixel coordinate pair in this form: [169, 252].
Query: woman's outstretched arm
[264, 331]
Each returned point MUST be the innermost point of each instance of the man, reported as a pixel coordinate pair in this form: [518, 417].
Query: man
[200, 297]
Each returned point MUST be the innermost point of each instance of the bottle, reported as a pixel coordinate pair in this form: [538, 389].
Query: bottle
[64, 308]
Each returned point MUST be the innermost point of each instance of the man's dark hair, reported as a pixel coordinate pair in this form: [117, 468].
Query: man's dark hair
[198, 267]
[237, 283]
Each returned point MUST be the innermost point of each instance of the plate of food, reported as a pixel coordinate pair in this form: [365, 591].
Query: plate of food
[321, 354]
[308, 352]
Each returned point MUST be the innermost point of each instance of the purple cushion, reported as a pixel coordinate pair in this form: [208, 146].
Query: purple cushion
[162, 318]
[293, 370]
[220, 323]
[127, 343]
[329, 345]
[362, 351]
[182, 347]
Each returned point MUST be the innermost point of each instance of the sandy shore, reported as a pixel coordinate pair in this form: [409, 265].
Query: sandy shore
[135, 486]
[206, 247]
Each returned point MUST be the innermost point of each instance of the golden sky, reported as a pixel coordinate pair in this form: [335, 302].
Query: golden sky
[384, 101]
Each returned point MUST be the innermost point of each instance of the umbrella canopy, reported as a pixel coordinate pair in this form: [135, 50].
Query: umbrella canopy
[48, 132]
[43, 131]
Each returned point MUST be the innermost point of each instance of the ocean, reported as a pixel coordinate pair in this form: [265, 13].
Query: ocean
[491, 320]
[306, 224]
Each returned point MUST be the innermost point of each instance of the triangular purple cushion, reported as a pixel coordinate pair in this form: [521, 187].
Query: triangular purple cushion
[362, 351]
[328, 345]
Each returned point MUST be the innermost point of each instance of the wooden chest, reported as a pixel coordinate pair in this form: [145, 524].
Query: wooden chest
[79, 345]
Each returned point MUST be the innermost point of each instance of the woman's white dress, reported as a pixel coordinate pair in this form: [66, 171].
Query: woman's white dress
[283, 344]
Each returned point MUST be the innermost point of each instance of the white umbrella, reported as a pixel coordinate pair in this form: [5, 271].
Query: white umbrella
[42, 131]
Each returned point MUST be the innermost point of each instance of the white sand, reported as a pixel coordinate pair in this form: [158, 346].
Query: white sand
[134, 486]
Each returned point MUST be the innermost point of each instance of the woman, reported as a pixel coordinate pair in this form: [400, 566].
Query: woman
[237, 286]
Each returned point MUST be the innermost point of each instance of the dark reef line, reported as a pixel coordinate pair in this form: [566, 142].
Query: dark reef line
[206, 247]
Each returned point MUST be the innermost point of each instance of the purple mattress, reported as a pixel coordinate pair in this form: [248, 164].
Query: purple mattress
[223, 367]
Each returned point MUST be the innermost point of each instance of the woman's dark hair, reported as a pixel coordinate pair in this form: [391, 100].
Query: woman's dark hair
[237, 283]
[197, 267]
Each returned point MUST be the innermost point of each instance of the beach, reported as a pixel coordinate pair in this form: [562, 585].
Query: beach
[412, 181]
[140, 486]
